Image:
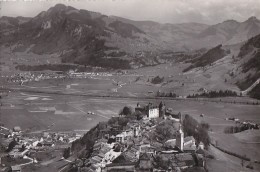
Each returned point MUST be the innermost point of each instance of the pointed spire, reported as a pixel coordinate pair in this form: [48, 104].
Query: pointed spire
[180, 117]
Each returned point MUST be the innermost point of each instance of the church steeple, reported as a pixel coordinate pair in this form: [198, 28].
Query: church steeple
[180, 135]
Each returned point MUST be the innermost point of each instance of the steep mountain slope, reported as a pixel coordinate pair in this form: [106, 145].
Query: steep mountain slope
[227, 33]
[81, 37]
[10, 22]
[208, 58]
[189, 36]
[246, 30]
[173, 35]
[90, 38]
[249, 60]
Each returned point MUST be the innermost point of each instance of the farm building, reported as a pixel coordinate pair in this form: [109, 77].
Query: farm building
[16, 169]
[17, 129]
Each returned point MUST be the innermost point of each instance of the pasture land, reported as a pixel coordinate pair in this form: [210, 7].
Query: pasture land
[69, 112]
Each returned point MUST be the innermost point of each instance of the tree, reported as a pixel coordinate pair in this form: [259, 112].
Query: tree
[138, 115]
[66, 153]
[11, 145]
[204, 125]
[126, 111]
[166, 130]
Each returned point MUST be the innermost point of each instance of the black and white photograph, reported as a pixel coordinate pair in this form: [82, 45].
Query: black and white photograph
[129, 85]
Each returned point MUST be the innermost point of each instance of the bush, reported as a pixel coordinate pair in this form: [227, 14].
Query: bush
[250, 166]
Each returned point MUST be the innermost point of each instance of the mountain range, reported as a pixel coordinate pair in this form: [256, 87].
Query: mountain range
[90, 38]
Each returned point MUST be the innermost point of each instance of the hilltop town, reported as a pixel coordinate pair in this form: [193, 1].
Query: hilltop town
[150, 138]
[85, 91]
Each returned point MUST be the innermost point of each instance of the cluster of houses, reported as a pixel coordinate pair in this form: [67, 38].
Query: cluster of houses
[37, 76]
[245, 125]
[132, 149]
[249, 125]
[17, 144]
[75, 74]
[33, 76]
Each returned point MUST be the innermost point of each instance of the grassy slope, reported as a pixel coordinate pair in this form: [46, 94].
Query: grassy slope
[235, 143]
[255, 92]
[249, 55]
[208, 58]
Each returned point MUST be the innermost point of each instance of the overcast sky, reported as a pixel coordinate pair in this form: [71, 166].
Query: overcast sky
[164, 11]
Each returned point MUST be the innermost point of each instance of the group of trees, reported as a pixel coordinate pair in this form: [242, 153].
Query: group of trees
[240, 128]
[255, 92]
[164, 94]
[198, 130]
[66, 153]
[157, 80]
[214, 94]
[166, 130]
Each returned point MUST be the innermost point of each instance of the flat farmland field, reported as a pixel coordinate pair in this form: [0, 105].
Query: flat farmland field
[69, 112]
[215, 113]
[86, 86]
[56, 112]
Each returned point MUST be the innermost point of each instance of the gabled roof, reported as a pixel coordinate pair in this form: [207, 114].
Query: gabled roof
[95, 159]
[189, 147]
[121, 164]
[184, 157]
[156, 144]
[15, 168]
[189, 138]
[144, 156]
[121, 159]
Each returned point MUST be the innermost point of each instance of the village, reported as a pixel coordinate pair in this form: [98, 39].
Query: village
[127, 143]
[38, 76]
[20, 148]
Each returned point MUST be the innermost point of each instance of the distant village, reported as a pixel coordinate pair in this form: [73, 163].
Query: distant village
[38, 76]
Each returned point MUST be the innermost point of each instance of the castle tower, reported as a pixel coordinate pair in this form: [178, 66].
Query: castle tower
[162, 109]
